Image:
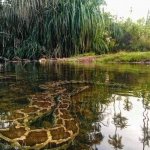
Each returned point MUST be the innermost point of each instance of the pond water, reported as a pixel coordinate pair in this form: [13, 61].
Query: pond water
[112, 113]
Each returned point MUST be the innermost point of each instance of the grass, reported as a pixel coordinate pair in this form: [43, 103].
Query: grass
[85, 54]
[120, 57]
[78, 57]
[125, 57]
[30, 29]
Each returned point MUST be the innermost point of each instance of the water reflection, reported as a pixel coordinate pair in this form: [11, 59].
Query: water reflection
[128, 115]
[4, 123]
[120, 122]
[127, 104]
[145, 140]
[146, 130]
[95, 136]
[110, 118]
[116, 141]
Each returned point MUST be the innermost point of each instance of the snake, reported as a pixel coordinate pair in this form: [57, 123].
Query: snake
[45, 122]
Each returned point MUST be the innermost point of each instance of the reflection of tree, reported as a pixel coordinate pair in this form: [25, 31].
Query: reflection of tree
[4, 122]
[145, 129]
[119, 121]
[89, 108]
[146, 100]
[96, 136]
[127, 104]
[116, 141]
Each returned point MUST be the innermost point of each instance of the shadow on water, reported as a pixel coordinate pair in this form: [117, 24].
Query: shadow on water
[110, 117]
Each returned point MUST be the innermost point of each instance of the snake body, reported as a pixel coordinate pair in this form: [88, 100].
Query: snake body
[46, 121]
[17, 128]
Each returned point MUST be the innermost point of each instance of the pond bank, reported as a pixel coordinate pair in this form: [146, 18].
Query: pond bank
[120, 57]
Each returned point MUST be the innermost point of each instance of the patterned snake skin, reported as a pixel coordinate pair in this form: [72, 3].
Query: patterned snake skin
[45, 122]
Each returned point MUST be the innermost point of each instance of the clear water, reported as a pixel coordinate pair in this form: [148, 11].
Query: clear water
[111, 117]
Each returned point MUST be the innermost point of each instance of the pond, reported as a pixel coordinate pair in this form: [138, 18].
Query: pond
[74, 106]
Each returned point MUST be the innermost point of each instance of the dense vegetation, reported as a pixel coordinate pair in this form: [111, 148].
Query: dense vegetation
[133, 36]
[58, 28]
[62, 28]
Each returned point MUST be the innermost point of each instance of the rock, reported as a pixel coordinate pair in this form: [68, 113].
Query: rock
[42, 60]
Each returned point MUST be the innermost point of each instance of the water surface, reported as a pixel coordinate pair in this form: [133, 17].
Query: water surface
[113, 115]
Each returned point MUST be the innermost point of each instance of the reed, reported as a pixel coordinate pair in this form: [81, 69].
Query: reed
[56, 28]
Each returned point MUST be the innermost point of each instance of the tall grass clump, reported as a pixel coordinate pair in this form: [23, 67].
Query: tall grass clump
[56, 28]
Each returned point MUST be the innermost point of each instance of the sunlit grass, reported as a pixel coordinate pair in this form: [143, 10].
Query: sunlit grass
[125, 57]
[84, 54]
[120, 57]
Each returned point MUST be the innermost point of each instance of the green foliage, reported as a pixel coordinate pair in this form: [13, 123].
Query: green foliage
[63, 27]
[125, 57]
[135, 35]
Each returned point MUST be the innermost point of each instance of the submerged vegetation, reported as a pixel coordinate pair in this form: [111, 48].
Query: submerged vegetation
[62, 28]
